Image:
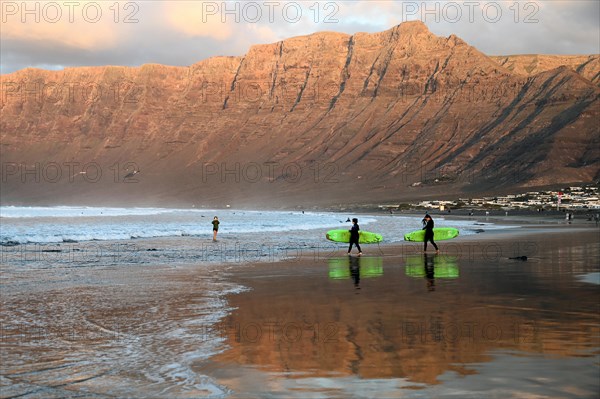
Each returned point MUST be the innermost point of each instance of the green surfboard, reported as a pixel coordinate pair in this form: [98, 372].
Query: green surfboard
[364, 237]
[439, 234]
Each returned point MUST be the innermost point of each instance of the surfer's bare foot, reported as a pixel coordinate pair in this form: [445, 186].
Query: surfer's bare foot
[360, 253]
[437, 252]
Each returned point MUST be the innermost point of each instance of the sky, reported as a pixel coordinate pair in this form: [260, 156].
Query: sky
[59, 34]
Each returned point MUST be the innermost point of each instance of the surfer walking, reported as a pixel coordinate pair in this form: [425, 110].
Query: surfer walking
[428, 227]
[354, 236]
[215, 224]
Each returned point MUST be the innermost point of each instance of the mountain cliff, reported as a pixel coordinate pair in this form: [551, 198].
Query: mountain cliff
[531, 64]
[318, 119]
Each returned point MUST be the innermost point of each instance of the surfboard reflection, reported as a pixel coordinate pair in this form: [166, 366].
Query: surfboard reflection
[355, 267]
[430, 267]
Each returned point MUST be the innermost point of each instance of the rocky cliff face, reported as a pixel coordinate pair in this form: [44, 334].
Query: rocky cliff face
[587, 66]
[316, 119]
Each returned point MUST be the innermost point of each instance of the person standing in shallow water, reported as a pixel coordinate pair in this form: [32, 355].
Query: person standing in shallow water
[429, 233]
[354, 236]
[215, 224]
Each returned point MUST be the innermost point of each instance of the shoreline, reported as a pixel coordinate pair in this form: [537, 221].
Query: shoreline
[230, 251]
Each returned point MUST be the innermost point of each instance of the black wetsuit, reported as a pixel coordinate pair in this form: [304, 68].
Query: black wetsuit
[429, 234]
[354, 236]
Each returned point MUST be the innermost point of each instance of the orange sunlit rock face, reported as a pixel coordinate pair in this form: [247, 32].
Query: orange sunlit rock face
[324, 114]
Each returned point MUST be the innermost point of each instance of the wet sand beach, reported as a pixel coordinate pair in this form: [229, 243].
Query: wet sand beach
[467, 323]
[395, 323]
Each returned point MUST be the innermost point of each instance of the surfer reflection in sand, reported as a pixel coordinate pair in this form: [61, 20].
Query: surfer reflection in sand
[355, 271]
[432, 267]
[355, 268]
[429, 265]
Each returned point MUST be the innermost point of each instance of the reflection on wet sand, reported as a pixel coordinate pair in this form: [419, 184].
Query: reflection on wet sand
[431, 267]
[312, 326]
[355, 267]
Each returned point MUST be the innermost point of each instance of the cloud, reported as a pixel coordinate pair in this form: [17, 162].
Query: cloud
[82, 24]
[178, 32]
[198, 18]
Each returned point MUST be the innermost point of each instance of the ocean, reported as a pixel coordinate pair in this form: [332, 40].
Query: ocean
[90, 236]
[62, 224]
[48, 237]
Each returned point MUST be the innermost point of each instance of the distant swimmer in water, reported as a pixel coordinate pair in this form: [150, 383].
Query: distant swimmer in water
[215, 224]
[428, 227]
